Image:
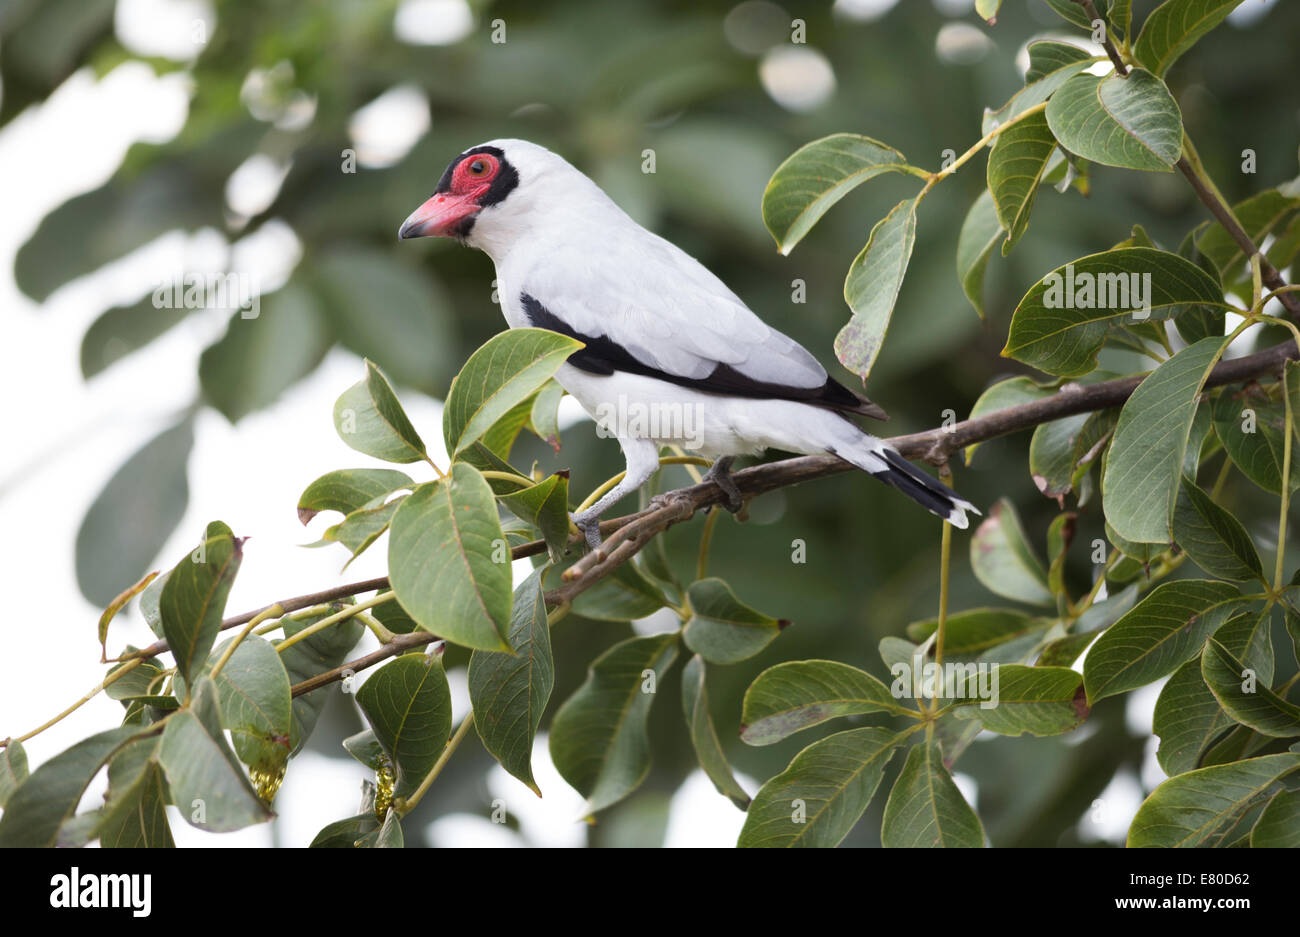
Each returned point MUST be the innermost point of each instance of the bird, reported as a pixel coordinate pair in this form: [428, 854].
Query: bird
[670, 355]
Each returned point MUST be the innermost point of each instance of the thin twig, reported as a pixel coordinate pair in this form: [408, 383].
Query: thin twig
[626, 535]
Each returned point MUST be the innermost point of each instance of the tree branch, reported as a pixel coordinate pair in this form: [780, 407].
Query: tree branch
[627, 535]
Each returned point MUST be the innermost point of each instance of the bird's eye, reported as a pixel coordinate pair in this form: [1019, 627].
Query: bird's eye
[477, 167]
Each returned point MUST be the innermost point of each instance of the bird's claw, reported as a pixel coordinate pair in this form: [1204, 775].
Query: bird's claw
[720, 475]
[590, 529]
[733, 500]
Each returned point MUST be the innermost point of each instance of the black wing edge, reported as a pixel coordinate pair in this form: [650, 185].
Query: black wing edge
[605, 356]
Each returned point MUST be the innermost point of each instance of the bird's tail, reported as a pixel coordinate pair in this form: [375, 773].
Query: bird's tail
[885, 463]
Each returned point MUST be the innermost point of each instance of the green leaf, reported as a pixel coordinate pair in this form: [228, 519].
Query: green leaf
[976, 630]
[623, 595]
[1144, 469]
[134, 814]
[1244, 696]
[1166, 628]
[393, 617]
[504, 373]
[1174, 27]
[818, 799]
[1063, 321]
[1213, 538]
[206, 780]
[979, 232]
[1003, 394]
[704, 737]
[872, 285]
[925, 809]
[253, 689]
[131, 519]
[1132, 122]
[1063, 652]
[818, 175]
[799, 694]
[509, 692]
[1003, 560]
[1252, 428]
[365, 748]
[1258, 215]
[194, 597]
[259, 358]
[721, 628]
[388, 836]
[361, 528]
[1120, 17]
[1200, 808]
[448, 561]
[347, 834]
[545, 506]
[1187, 716]
[149, 600]
[38, 807]
[1015, 168]
[1278, 826]
[408, 704]
[1049, 59]
[543, 414]
[348, 490]
[314, 655]
[116, 606]
[370, 419]
[1074, 14]
[389, 312]
[501, 436]
[1038, 700]
[124, 329]
[988, 9]
[13, 769]
[1051, 454]
[598, 737]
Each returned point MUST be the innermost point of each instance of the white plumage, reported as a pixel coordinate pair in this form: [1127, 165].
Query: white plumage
[664, 335]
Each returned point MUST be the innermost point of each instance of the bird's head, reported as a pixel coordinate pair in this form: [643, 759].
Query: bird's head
[492, 193]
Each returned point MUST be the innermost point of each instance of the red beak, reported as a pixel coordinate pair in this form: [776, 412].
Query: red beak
[439, 216]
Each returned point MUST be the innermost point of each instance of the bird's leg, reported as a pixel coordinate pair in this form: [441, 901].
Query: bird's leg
[720, 474]
[642, 462]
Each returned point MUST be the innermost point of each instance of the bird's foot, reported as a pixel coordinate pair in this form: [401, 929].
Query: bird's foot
[589, 526]
[720, 474]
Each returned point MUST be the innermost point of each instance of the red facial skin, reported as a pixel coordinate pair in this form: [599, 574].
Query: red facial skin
[441, 215]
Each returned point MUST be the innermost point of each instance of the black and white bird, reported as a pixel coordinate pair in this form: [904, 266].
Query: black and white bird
[671, 356]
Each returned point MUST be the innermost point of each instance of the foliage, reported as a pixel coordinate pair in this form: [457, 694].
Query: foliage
[1185, 474]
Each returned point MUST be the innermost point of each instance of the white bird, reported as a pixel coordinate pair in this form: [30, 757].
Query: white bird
[671, 356]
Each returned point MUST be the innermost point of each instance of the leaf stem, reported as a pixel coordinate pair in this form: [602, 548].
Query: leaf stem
[519, 480]
[275, 611]
[1286, 489]
[404, 805]
[104, 684]
[933, 178]
[706, 538]
[945, 564]
[341, 615]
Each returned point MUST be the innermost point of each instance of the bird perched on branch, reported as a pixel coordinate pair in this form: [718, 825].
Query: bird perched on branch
[671, 356]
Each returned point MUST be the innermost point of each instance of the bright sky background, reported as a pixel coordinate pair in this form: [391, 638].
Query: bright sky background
[65, 437]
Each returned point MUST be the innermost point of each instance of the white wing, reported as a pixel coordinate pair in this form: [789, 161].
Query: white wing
[665, 309]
